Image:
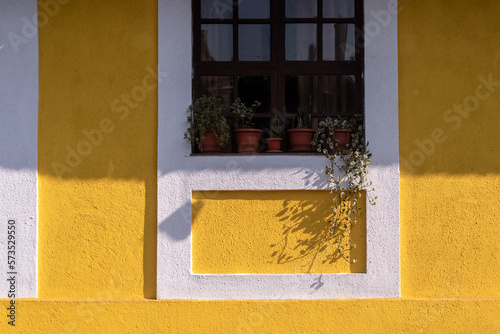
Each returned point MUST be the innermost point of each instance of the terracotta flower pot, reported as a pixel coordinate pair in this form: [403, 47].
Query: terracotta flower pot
[247, 140]
[300, 139]
[273, 145]
[342, 137]
[210, 144]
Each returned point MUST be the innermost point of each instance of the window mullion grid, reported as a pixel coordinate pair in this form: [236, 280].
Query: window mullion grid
[275, 38]
[235, 34]
[196, 26]
[360, 81]
[319, 32]
[279, 18]
[277, 68]
[319, 42]
[359, 30]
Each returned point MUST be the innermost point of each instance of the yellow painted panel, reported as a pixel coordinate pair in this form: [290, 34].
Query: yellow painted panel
[97, 149]
[449, 87]
[270, 232]
[279, 316]
[91, 244]
[450, 236]
[449, 90]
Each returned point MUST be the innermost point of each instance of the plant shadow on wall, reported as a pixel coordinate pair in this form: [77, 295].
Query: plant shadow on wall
[310, 240]
[328, 229]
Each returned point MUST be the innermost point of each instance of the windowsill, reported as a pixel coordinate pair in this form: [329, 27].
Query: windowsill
[253, 154]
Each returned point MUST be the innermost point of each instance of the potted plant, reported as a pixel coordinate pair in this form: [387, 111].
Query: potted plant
[342, 129]
[274, 141]
[347, 179]
[335, 133]
[208, 129]
[247, 137]
[301, 134]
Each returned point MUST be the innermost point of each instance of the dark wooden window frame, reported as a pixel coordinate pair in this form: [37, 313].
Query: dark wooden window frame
[277, 68]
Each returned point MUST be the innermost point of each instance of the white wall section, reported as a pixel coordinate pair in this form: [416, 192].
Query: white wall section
[18, 148]
[179, 174]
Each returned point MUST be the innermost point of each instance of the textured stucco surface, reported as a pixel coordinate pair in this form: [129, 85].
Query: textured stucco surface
[290, 316]
[97, 150]
[449, 102]
[18, 138]
[449, 204]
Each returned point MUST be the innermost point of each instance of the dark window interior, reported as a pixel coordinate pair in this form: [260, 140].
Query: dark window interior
[288, 54]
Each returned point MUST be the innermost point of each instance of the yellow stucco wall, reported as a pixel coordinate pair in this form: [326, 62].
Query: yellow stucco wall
[98, 223]
[97, 150]
[246, 317]
[450, 170]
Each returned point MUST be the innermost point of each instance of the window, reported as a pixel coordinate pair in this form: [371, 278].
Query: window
[288, 54]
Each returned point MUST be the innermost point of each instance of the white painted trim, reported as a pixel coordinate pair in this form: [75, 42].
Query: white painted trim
[179, 175]
[18, 135]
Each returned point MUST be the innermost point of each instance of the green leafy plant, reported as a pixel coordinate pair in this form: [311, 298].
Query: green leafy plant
[346, 173]
[348, 123]
[243, 113]
[302, 120]
[207, 113]
[276, 127]
[323, 138]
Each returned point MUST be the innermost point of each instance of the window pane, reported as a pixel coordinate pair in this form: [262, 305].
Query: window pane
[338, 8]
[339, 94]
[252, 88]
[339, 41]
[216, 42]
[216, 9]
[254, 42]
[301, 8]
[254, 9]
[300, 41]
[220, 86]
[301, 91]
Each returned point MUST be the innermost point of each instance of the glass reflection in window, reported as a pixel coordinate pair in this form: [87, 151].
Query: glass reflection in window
[301, 92]
[338, 8]
[220, 86]
[254, 42]
[216, 9]
[301, 8]
[339, 94]
[216, 42]
[339, 41]
[254, 9]
[300, 41]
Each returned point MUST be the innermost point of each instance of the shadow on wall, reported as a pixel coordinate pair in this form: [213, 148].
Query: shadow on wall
[315, 179]
[449, 89]
[178, 225]
[97, 130]
[307, 238]
[97, 94]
